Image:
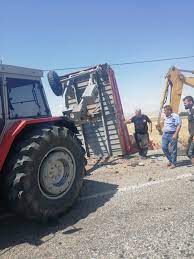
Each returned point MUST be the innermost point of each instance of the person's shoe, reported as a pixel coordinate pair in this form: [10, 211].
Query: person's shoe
[169, 164]
[172, 166]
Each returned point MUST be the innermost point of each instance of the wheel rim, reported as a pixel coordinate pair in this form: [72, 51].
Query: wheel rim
[56, 173]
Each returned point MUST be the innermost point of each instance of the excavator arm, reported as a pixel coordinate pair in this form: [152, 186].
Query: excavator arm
[175, 80]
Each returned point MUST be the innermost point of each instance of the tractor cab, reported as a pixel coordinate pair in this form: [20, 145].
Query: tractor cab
[22, 94]
[42, 162]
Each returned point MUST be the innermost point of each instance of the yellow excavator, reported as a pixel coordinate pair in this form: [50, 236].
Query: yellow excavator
[175, 80]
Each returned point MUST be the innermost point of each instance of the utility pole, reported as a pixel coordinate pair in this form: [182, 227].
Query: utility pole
[1, 61]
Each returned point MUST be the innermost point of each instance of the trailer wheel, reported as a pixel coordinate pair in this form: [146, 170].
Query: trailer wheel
[55, 83]
[44, 174]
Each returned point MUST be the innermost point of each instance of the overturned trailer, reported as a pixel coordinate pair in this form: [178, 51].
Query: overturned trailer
[92, 100]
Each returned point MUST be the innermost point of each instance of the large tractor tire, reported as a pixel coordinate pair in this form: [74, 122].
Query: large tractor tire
[44, 173]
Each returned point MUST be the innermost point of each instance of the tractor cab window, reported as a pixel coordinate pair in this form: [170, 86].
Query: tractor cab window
[26, 99]
[1, 106]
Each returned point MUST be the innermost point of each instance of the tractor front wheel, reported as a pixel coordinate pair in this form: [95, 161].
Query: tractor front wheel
[44, 173]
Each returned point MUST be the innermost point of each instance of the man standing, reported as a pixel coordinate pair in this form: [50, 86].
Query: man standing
[172, 126]
[189, 105]
[141, 131]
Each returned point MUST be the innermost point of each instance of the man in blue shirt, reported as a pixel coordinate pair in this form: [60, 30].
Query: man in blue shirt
[172, 126]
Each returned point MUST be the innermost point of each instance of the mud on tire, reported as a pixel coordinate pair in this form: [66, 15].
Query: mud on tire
[26, 173]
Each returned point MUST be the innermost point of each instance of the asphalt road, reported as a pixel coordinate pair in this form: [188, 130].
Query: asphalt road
[125, 211]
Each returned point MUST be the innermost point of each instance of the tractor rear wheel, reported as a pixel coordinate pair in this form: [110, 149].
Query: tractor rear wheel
[44, 173]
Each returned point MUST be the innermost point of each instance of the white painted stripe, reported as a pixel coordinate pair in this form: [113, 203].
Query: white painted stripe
[133, 187]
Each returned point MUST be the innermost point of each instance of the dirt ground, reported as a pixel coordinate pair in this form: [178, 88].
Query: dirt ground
[128, 208]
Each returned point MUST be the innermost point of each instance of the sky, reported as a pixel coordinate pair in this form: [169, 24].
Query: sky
[52, 34]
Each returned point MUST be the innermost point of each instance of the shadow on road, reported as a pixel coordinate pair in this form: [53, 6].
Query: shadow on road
[184, 163]
[16, 231]
[155, 155]
[99, 163]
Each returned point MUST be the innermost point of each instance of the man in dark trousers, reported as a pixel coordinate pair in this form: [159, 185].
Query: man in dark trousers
[172, 126]
[141, 131]
[189, 105]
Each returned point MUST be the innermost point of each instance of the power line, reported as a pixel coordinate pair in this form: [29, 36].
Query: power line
[151, 61]
[125, 63]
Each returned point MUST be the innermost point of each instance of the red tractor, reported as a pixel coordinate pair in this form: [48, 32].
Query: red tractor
[41, 159]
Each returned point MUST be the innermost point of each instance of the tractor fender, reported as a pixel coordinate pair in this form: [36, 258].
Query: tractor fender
[19, 126]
